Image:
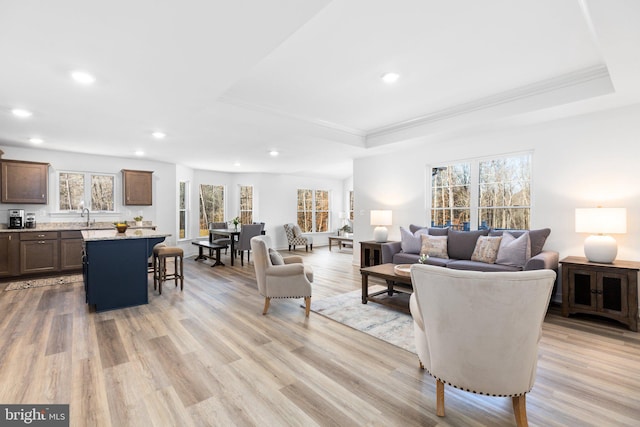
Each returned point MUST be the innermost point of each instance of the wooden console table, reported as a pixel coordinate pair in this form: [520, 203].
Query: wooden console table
[342, 241]
[608, 290]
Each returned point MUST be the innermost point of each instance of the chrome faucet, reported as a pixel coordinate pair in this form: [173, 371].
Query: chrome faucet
[82, 215]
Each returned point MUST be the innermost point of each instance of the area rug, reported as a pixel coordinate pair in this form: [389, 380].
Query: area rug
[47, 281]
[387, 324]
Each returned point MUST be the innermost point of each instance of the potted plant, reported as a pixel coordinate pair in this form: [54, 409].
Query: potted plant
[235, 221]
[345, 230]
[138, 220]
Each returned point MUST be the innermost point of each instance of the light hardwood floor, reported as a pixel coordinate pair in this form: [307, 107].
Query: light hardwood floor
[207, 356]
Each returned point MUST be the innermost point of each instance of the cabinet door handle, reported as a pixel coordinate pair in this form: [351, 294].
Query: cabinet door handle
[41, 242]
[40, 235]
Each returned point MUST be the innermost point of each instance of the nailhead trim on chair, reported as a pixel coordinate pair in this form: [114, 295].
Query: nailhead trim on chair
[473, 391]
[291, 297]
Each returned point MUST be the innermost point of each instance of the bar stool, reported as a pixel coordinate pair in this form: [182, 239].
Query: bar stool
[160, 255]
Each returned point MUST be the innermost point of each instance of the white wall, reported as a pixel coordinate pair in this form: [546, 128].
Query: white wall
[162, 212]
[275, 195]
[275, 200]
[583, 161]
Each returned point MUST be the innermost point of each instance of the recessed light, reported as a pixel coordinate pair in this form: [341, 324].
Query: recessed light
[139, 153]
[19, 112]
[236, 164]
[390, 77]
[83, 77]
[36, 140]
[158, 134]
[273, 153]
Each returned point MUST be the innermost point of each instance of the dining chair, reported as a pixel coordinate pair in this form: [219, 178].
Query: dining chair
[247, 231]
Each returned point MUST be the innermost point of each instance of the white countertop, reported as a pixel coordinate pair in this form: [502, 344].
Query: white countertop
[141, 233]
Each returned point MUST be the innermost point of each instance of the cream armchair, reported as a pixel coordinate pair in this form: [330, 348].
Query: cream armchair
[280, 277]
[479, 331]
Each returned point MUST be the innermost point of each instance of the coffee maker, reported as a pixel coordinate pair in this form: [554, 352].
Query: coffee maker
[30, 220]
[16, 218]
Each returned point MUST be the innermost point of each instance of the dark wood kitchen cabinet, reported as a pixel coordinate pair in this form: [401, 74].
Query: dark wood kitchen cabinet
[71, 250]
[137, 187]
[9, 254]
[24, 182]
[39, 252]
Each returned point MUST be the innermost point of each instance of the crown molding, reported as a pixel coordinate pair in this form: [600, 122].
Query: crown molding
[547, 86]
[543, 87]
[239, 102]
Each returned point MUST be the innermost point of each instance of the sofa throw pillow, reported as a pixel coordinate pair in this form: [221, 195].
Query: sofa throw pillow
[486, 249]
[434, 246]
[514, 251]
[462, 243]
[413, 228]
[297, 231]
[434, 231]
[410, 242]
[276, 258]
[536, 237]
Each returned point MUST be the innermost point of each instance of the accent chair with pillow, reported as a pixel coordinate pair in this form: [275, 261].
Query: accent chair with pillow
[278, 276]
[479, 331]
[295, 237]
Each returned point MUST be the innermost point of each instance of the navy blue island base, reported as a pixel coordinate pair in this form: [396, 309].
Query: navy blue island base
[115, 269]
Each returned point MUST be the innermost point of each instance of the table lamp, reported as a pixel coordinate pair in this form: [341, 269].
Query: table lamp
[600, 247]
[380, 219]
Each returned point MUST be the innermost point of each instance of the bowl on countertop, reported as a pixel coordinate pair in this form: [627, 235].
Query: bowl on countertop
[121, 227]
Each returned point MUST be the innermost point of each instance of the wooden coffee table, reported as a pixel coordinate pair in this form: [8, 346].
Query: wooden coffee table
[395, 282]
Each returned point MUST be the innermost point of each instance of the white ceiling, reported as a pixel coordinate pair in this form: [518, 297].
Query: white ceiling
[230, 80]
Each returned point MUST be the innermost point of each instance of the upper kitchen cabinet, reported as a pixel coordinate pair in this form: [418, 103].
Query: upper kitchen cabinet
[24, 182]
[137, 187]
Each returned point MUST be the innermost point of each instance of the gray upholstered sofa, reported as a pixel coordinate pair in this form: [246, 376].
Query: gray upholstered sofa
[464, 250]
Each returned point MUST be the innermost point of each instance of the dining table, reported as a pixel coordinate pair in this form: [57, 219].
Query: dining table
[233, 234]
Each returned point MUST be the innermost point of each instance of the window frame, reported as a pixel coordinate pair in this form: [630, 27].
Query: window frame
[475, 206]
[223, 208]
[240, 204]
[313, 209]
[184, 208]
[86, 196]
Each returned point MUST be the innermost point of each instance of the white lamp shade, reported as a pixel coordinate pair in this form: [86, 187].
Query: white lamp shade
[382, 217]
[601, 220]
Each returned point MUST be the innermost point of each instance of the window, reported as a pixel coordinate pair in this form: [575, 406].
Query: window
[450, 196]
[322, 210]
[313, 210]
[492, 193]
[505, 193]
[246, 204]
[351, 205]
[78, 190]
[211, 206]
[183, 210]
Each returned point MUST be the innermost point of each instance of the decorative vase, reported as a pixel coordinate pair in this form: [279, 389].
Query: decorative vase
[235, 226]
[138, 223]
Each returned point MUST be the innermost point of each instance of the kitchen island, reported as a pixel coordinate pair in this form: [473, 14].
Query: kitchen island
[115, 266]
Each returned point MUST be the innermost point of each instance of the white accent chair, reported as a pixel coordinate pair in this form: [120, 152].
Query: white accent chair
[288, 277]
[296, 237]
[479, 331]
